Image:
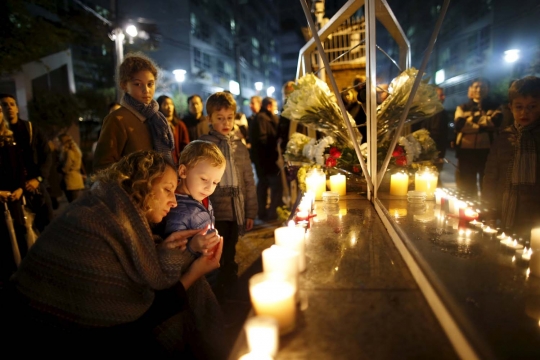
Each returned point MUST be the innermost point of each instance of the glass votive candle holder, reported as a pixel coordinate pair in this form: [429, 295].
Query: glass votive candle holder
[273, 295]
[262, 335]
[330, 197]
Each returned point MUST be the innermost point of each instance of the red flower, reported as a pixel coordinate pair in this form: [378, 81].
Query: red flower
[355, 169]
[401, 160]
[331, 162]
[334, 152]
[398, 151]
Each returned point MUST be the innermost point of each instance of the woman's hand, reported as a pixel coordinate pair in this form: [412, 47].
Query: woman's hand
[203, 265]
[16, 195]
[204, 240]
[178, 239]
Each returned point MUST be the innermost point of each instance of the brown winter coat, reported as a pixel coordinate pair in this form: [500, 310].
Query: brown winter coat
[123, 133]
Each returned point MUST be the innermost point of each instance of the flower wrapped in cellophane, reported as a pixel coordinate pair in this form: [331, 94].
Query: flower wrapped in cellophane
[425, 103]
[314, 105]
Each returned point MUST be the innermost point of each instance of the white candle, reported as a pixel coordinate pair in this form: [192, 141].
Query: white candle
[475, 223]
[292, 237]
[255, 356]
[489, 231]
[399, 184]
[501, 237]
[535, 239]
[262, 335]
[439, 194]
[274, 296]
[514, 245]
[338, 184]
[281, 260]
[534, 263]
[316, 183]
[458, 205]
[525, 254]
[426, 181]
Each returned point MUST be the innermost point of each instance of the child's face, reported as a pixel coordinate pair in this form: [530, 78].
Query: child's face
[526, 110]
[201, 180]
[223, 120]
[142, 87]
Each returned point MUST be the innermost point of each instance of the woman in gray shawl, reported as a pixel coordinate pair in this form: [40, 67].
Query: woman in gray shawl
[98, 281]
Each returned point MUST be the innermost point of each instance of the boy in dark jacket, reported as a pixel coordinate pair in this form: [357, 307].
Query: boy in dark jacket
[235, 199]
[512, 174]
[201, 166]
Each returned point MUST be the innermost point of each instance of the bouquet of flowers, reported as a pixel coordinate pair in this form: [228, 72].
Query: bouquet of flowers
[425, 103]
[324, 152]
[313, 104]
[412, 151]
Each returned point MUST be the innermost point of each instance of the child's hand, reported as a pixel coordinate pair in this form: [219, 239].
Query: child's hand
[249, 224]
[178, 239]
[205, 240]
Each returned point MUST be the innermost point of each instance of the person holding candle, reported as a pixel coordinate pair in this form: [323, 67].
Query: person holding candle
[97, 281]
[235, 197]
[512, 174]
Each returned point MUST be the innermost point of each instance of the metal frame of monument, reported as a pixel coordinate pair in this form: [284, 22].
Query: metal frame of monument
[380, 10]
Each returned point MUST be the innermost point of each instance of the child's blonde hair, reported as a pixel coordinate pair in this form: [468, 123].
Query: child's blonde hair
[220, 100]
[200, 150]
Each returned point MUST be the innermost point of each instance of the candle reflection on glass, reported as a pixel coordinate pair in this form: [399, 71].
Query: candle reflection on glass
[262, 335]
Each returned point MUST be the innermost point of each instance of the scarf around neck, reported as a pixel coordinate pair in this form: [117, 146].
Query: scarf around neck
[229, 184]
[162, 136]
[522, 171]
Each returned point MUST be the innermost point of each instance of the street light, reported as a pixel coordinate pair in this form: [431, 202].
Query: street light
[258, 86]
[131, 30]
[511, 56]
[234, 87]
[270, 91]
[180, 77]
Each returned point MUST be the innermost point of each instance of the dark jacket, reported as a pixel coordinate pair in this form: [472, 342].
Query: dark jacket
[264, 137]
[187, 215]
[196, 127]
[222, 204]
[501, 157]
[41, 153]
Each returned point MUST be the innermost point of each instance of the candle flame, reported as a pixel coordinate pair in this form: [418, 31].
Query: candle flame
[528, 272]
[513, 258]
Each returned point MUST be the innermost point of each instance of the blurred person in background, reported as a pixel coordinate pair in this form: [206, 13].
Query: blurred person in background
[178, 127]
[196, 123]
[70, 164]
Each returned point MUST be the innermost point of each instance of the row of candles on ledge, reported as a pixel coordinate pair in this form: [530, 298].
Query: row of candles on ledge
[274, 292]
[317, 183]
[425, 180]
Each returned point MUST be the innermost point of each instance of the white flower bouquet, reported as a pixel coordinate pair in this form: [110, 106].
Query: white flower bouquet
[314, 105]
[425, 103]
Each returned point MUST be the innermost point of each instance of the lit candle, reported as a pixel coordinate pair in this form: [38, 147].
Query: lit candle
[399, 184]
[451, 204]
[476, 223]
[507, 240]
[439, 195]
[513, 245]
[534, 263]
[274, 296]
[426, 181]
[535, 239]
[338, 184]
[467, 213]
[255, 356]
[458, 206]
[525, 254]
[302, 215]
[502, 236]
[292, 237]
[282, 260]
[489, 231]
[262, 335]
[316, 183]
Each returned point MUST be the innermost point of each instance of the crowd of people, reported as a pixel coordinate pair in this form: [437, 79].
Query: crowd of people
[137, 261]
